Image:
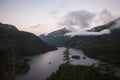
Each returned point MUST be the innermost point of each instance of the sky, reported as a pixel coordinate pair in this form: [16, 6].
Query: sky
[45, 16]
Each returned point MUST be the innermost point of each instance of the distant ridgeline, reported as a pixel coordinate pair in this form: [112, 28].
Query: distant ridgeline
[15, 44]
[56, 38]
[105, 47]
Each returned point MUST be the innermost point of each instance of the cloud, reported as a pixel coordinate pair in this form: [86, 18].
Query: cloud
[116, 25]
[82, 20]
[36, 26]
[101, 18]
[77, 18]
[40, 26]
[54, 12]
[86, 33]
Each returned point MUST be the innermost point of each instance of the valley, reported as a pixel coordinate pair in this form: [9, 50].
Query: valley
[59, 39]
[41, 69]
[25, 56]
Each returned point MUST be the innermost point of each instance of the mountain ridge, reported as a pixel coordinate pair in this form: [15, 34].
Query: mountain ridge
[56, 38]
[14, 46]
[105, 47]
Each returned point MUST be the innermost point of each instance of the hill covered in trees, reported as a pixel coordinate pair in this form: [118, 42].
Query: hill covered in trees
[105, 47]
[14, 45]
[68, 71]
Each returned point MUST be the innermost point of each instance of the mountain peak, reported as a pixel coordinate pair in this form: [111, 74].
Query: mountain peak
[111, 25]
[8, 26]
[58, 32]
[56, 38]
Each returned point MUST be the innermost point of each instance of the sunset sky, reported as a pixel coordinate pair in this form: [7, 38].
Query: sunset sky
[44, 16]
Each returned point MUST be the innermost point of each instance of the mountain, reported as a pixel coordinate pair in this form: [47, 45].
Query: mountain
[56, 38]
[42, 36]
[27, 42]
[106, 26]
[8, 26]
[14, 45]
[105, 47]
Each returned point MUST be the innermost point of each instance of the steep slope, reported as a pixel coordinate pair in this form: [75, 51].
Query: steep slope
[8, 27]
[105, 47]
[56, 38]
[106, 26]
[28, 43]
[15, 44]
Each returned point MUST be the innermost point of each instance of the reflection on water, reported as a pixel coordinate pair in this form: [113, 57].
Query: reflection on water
[43, 65]
[87, 61]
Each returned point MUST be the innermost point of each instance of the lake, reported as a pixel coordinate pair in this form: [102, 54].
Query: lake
[43, 65]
